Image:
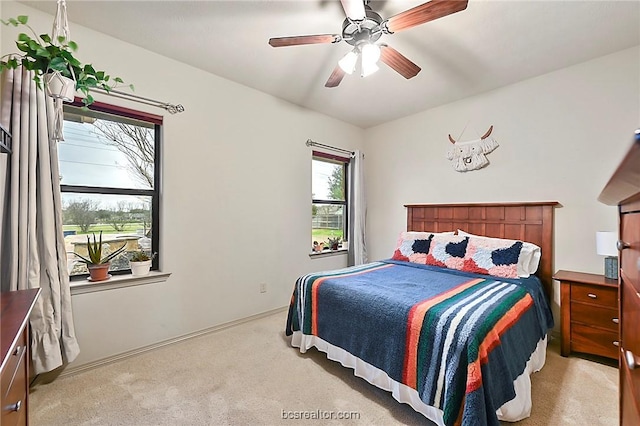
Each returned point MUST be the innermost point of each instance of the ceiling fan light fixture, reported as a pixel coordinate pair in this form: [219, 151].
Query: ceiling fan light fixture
[363, 27]
[370, 53]
[370, 57]
[368, 69]
[348, 62]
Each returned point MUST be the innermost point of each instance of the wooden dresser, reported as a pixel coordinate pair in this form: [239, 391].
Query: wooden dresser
[589, 314]
[623, 190]
[15, 307]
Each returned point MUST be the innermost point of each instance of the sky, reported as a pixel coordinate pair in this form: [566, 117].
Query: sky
[321, 171]
[85, 159]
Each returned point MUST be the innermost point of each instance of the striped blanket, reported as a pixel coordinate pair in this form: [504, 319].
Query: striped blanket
[458, 339]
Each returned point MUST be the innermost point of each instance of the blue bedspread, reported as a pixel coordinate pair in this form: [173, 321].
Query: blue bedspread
[459, 339]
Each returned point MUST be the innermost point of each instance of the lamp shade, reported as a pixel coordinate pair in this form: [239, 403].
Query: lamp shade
[606, 243]
[348, 62]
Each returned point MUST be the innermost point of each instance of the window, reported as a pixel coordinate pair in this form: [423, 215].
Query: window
[109, 178]
[329, 208]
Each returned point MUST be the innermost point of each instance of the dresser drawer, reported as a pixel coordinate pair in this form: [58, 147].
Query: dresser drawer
[630, 234]
[594, 341]
[602, 296]
[16, 306]
[596, 316]
[15, 354]
[14, 402]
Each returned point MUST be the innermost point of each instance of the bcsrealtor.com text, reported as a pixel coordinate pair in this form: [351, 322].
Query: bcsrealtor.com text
[319, 415]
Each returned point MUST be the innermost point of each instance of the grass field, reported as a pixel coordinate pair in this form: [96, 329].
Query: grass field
[322, 234]
[131, 228]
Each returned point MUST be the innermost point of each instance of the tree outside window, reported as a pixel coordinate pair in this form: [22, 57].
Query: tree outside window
[329, 201]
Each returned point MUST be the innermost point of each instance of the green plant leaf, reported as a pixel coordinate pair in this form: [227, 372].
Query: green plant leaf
[58, 64]
[118, 80]
[84, 259]
[41, 51]
[23, 19]
[73, 45]
[33, 45]
[114, 254]
[90, 81]
[24, 37]
[22, 47]
[88, 100]
[45, 38]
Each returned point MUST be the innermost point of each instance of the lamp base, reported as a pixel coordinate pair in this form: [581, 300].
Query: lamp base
[611, 267]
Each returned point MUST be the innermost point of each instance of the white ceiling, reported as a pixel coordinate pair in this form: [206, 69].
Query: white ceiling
[488, 45]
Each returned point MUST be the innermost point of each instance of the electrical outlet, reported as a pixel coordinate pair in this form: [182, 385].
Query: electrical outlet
[263, 287]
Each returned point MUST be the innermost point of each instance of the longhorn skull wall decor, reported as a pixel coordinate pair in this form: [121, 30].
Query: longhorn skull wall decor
[471, 155]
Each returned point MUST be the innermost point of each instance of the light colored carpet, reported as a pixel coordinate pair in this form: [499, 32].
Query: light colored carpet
[248, 374]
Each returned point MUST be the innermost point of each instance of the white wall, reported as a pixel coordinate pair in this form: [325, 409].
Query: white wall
[236, 185]
[561, 136]
[235, 199]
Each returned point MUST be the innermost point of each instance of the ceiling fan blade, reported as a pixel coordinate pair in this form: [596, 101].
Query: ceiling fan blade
[424, 13]
[398, 62]
[335, 78]
[307, 39]
[354, 9]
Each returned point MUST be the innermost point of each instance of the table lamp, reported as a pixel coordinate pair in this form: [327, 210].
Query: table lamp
[606, 246]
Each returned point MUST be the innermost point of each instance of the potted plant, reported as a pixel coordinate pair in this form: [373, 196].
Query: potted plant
[318, 247]
[98, 264]
[54, 61]
[140, 263]
[334, 242]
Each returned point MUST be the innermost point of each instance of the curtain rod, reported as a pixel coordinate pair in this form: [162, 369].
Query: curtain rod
[171, 108]
[333, 148]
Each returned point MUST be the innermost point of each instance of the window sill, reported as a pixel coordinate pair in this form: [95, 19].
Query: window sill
[328, 253]
[117, 281]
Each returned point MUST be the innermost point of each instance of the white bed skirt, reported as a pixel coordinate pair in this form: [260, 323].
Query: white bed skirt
[517, 409]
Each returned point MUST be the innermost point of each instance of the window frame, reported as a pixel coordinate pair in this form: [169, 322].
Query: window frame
[346, 162]
[154, 193]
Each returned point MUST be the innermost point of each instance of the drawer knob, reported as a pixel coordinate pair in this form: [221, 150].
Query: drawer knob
[631, 359]
[17, 351]
[593, 296]
[16, 406]
[616, 320]
[616, 343]
[621, 245]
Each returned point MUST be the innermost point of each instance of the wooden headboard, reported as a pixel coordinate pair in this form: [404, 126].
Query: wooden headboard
[530, 221]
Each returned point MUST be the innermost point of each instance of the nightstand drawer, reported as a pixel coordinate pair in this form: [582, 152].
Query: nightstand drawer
[601, 296]
[594, 341]
[588, 314]
[596, 316]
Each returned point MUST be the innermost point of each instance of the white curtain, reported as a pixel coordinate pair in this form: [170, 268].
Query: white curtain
[32, 250]
[358, 211]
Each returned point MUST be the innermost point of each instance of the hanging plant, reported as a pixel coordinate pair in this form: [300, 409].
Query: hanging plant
[44, 55]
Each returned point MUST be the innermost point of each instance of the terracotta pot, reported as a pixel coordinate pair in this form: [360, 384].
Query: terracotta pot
[99, 272]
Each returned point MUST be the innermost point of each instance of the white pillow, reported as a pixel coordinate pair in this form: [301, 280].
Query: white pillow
[528, 260]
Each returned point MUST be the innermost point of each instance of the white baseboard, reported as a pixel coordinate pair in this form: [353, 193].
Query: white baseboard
[114, 358]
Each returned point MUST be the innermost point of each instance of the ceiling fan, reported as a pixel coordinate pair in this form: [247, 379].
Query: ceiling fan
[363, 27]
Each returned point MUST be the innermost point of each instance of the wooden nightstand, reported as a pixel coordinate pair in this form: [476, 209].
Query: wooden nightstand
[589, 314]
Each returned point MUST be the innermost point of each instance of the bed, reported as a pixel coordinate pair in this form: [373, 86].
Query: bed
[457, 345]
